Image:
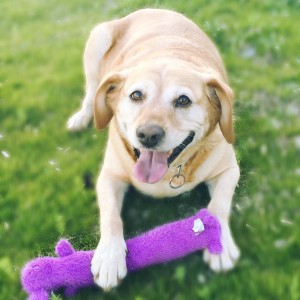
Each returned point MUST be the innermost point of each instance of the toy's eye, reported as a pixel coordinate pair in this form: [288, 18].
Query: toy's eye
[183, 101]
[137, 96]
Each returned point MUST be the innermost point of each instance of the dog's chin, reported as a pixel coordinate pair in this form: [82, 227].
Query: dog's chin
[152, 165]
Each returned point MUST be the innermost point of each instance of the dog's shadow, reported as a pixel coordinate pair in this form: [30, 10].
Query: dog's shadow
[141, 213]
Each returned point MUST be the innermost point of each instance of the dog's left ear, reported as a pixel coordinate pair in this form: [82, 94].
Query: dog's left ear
[106, 95]
[221, 96]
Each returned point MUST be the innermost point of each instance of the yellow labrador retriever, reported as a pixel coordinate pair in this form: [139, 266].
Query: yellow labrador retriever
[160, 84]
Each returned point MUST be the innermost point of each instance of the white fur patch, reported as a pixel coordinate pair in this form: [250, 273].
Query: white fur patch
[109, 263]
[80, 120]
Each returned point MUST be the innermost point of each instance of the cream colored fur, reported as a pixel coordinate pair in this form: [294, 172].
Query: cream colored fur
[164, 55]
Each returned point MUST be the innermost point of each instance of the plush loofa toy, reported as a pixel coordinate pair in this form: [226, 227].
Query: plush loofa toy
[71, 269]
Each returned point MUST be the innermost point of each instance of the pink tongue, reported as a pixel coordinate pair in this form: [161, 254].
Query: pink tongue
[151, 166]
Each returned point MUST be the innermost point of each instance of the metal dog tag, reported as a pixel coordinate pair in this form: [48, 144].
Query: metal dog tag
[177, 180]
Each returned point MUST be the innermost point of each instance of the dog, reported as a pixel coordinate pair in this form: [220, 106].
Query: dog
[159, 83]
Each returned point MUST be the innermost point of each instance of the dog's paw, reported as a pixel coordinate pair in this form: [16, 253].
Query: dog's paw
[227, 259]
[80, 120]
[109, 263]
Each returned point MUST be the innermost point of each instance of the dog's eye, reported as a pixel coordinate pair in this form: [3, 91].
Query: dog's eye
[183, 101]
[136, 96]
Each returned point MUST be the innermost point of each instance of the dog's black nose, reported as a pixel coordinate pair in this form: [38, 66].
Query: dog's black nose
[150, 135]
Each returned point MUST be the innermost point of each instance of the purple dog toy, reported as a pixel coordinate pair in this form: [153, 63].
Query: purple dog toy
[71, 270]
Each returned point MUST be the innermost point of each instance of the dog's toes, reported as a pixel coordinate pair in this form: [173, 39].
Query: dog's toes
[225, 261]
[79, 120]
[122, 270]
[109, 264]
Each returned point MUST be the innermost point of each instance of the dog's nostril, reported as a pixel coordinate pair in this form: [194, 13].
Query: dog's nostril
[150, 135]
[154, 137]
[141, 135]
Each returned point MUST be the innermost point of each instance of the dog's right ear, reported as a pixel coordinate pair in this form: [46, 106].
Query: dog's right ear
[221, 95]
[106, 96]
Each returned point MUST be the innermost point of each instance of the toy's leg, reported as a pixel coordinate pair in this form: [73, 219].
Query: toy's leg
[221, 190]
[108, 263]
[99, 42]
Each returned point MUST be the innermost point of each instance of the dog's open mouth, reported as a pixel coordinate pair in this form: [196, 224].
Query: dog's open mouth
[151, 166]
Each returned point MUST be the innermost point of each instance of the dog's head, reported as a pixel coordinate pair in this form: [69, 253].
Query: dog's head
[158, 106]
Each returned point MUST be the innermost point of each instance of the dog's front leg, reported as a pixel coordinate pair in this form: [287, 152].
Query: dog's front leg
[108, 263]
[221, 190]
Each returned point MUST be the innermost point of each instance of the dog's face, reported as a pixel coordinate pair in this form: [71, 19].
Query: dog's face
[158, 106]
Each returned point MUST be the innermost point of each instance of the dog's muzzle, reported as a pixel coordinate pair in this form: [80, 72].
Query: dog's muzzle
[152, 165]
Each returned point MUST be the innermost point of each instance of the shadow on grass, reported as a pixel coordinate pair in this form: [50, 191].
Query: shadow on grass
[141, 212]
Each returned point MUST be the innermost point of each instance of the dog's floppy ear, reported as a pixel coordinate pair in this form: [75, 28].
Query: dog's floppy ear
[221, 96]
[107, 93]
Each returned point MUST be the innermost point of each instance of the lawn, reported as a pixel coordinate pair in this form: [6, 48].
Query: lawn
[47, 174]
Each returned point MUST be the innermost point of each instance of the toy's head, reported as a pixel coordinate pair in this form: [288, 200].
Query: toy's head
[37, 275]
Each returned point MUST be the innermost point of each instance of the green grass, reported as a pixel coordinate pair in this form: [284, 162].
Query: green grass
[46, 185]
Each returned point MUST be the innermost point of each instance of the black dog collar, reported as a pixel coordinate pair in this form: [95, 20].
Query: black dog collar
[176, 151]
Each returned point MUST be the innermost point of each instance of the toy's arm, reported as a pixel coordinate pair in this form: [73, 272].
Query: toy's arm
[64, 248]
